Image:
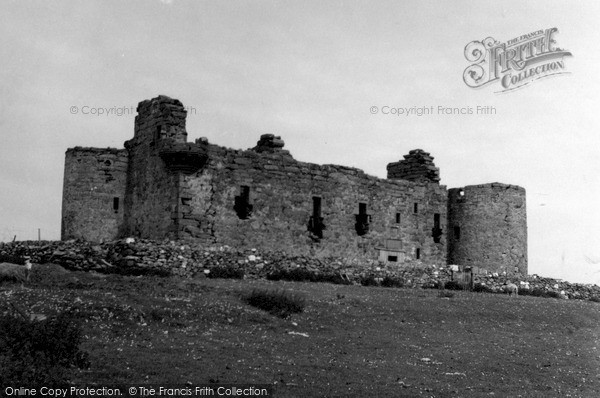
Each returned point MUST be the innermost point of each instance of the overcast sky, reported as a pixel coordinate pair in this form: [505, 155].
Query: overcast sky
[310, 72]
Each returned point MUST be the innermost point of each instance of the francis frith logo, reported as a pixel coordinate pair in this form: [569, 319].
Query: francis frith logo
[515, 63]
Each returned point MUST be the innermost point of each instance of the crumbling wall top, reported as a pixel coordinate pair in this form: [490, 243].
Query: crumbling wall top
[95, 150]
[269, 143]
[417, 166]
[496, 186]
[161, 104]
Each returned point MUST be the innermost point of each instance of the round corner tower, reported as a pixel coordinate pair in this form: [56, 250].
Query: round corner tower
[487, 227]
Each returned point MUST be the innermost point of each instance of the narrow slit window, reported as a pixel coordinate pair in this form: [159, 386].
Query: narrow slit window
[418, 253]
[315, 223]
[316, 206]
[398, 218]
[436, 232]
[245, 192]
[456, 232]
[116, 204]
[362, 220]
[416, 208]
[242, 205]
[362, 209]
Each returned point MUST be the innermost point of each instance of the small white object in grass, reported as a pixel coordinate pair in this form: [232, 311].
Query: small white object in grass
[252, 257]
[129, 240]
[207, 271]
[37, 317]
[294, 323]
[455, 374]
[298, 334]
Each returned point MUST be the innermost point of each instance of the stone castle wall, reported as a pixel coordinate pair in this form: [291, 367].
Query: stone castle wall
[487, 227]
[282, 193]
[264, 198]
[152, 189]
[93, 193]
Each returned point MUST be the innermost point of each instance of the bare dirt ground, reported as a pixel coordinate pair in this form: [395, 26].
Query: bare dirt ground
[350, 341]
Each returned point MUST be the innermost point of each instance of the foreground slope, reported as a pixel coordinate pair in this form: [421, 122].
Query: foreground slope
[349, 341]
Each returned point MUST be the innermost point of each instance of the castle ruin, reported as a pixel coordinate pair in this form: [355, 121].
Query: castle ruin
[161, 186]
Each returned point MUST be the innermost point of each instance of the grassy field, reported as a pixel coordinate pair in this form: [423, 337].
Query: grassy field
[349, 341]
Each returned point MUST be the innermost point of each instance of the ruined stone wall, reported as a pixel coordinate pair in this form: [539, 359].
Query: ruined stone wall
[93, 193]
[152, 188]
[416, 166]
[278, 212]
[166, 187]
[487, 227]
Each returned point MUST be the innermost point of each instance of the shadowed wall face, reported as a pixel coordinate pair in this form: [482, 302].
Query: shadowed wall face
[152, 188]
[487, 227]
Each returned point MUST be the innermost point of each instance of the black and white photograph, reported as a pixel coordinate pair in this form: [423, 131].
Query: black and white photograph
[280, 198]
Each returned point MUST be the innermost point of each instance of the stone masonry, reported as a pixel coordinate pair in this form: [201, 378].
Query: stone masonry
[161, 186]
[487, 227]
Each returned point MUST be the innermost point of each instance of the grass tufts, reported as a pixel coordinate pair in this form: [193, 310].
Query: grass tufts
[226, 272]
[369, 280]
[39, 352]
[537, 292]
[481, 288]
[445, 294]
[276, 302]
[391, 281]
[305, 275]
[453, 285]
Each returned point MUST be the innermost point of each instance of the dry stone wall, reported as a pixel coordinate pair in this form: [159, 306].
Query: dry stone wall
[182, 259]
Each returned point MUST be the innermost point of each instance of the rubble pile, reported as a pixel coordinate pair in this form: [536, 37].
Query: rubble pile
[144, 257]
